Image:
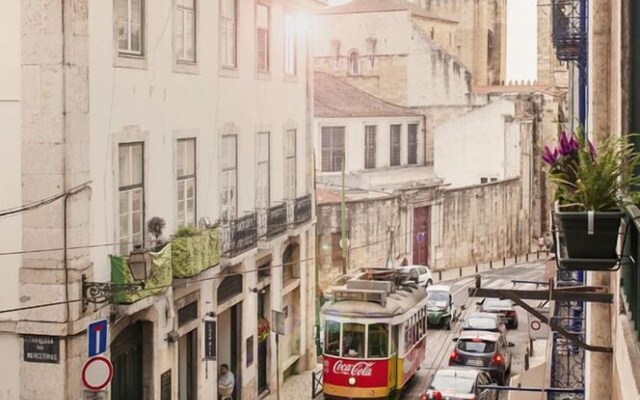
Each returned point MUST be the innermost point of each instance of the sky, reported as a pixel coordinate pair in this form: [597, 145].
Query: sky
[521, 38]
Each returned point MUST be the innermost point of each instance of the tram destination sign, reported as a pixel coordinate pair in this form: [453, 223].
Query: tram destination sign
[41, 349]
[374, 296]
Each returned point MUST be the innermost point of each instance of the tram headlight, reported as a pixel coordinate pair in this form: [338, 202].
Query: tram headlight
[352, 381]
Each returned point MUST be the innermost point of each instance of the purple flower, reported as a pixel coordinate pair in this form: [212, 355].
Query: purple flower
[550, 157]
[564, 147]
[573, 144]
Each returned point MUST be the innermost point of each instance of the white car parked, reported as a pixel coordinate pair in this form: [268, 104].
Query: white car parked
[421, 274]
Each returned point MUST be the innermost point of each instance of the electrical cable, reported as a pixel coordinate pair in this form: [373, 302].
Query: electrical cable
[42, 202]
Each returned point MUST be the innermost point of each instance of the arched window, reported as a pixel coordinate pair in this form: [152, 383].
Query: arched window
[354, 63]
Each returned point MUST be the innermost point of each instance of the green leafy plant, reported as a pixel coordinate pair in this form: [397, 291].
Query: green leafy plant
[590, 179]
[186, 231]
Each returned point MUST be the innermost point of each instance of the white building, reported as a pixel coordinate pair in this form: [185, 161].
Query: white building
[132, 110]
[389, 190]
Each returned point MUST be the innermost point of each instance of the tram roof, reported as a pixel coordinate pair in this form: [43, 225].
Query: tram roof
[398, 302]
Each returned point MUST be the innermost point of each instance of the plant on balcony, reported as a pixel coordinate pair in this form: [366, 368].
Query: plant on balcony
[193, 251]
[158, 281]
[589, 183]
[264, 329]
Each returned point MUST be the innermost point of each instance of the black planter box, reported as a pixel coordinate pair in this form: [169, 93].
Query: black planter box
[601, 245]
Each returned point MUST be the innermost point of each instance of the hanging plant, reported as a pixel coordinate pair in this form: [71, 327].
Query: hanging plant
[264, 329]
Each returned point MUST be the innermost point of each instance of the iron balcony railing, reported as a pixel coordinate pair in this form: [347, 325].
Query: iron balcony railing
[302, 209]
[276, 220]
[630, 269]
[239, 235]
[570, 29]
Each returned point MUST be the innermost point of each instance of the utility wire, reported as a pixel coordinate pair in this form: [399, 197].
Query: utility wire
[40, 203]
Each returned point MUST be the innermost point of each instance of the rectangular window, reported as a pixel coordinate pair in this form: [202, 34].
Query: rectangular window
[262, 29]
[129, 25]
[185, 30]
[370, 146]
[332, 148]
[229, 181]
[395, 145]
[412, 145]
[290, 164]
[186, 175]
[262, 171]
[290, 44]
[130, 196]
[228, 32]
[188, 366]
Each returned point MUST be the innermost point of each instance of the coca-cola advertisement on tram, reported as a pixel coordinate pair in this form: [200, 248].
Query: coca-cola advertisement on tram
[367, 373]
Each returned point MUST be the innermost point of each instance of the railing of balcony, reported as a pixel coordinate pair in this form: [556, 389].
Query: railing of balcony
[276, 220]
[630, 264]
[302, 209]
[240, 235]
[570, 29]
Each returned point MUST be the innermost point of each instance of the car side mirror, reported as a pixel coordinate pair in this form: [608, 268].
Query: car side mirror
[479, 303]
[511, 344]
[454, 340]
[463, 307]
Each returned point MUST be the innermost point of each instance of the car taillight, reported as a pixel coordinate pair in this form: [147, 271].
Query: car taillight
[432, 396]
[511, 314]
[454, 356]
[498, 359]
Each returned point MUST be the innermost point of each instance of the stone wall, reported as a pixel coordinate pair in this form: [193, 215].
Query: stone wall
[483, 223]
[368, 230]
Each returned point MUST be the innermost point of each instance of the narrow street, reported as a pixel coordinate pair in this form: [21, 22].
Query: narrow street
[440, 344]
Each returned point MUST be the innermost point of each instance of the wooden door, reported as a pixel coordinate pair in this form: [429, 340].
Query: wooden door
[420, 235]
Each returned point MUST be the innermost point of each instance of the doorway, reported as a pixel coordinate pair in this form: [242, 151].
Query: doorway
[230, 342]
[263, 345]
[421, 236]
[127, 352]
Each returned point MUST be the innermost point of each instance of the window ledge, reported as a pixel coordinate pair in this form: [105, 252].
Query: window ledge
[263, 75]
[289, 362]
[186, 67]
[290, 285]
[228, 72]
[129, 61]
[290, 78]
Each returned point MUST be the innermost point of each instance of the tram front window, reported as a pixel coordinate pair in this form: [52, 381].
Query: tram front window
[378, 340]
[353, 340]
[332, 338]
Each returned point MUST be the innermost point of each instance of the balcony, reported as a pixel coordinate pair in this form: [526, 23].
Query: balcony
[630, 281]
[570, 30]
[159, 278]
[239, 235]
[300, 210]
[276, 220]
[194, 251]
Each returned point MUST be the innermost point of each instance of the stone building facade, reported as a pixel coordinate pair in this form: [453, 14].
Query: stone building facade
[405, 65]
[480, 35]
[123, 109]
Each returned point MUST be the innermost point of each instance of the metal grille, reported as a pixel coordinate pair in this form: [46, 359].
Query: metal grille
[570, 29]
[188, 313]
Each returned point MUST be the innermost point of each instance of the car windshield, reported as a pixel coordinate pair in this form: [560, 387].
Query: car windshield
[452, 383]
[476, 346]
[437, 297]
[495, 303]
[479, 323]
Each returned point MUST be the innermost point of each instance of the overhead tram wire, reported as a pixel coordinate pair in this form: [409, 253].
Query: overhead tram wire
[42, 202]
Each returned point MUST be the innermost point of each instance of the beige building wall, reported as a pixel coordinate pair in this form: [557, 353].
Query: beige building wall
[11, 193]
[551, 71]
[480, 35]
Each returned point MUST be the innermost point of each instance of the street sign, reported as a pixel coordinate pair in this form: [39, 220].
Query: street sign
[41, 349]
[89, 395]
[209, 340]
[97, 337]
[278, 322]
[344, 243]
[97, 373]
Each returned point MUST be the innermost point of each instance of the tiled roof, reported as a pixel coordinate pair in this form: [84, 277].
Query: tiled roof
[371, 6]
[335, 98]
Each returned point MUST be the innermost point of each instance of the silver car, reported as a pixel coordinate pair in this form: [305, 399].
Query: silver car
[487, 351]
[461, 384]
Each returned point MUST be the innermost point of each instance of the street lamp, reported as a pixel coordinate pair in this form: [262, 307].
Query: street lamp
[102, 292]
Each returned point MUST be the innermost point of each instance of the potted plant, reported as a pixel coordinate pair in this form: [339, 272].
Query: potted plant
[589, 184]
[264, 329]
